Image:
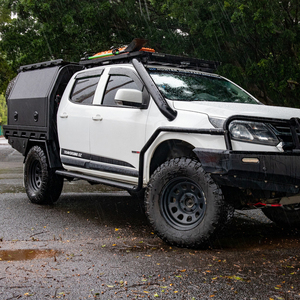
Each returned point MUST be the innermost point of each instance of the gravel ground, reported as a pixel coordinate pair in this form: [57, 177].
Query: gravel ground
[95, 243]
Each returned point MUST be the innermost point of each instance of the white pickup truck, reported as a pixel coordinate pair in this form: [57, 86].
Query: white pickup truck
[193, 144]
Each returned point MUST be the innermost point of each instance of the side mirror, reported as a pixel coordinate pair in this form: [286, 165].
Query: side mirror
[129, 97]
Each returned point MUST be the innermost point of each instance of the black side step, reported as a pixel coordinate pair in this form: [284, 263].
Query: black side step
[93, 179]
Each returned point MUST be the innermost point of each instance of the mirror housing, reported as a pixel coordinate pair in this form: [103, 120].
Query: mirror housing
[130, 97]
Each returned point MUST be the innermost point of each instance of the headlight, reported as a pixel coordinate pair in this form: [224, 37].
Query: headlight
[252, 132]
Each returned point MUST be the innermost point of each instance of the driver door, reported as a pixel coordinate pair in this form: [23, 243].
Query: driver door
[117, 131]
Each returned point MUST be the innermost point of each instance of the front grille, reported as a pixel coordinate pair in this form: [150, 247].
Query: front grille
[282, 132]
[288, 132]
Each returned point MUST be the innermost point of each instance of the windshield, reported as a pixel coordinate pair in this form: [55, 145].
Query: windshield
[188, 86]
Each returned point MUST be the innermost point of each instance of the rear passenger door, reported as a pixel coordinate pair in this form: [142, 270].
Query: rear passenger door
[73, 118]
[117, 131]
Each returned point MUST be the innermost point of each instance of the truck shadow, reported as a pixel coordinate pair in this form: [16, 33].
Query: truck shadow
[252, 230]
[115, 209]
[247, 230]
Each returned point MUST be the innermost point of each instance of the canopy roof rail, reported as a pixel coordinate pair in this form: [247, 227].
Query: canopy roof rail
[45, 64]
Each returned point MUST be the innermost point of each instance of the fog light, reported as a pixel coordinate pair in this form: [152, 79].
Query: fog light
[250, 160]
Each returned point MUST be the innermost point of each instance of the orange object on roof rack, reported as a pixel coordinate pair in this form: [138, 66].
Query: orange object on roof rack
[135, 45]
[148, 50]
[117, 52]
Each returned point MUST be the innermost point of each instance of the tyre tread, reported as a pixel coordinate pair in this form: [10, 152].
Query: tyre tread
[52, 184]
[215, 224]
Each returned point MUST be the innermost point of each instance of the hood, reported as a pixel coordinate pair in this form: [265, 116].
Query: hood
[225, 110]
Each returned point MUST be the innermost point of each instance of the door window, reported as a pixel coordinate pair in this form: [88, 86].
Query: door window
[116, 82]
[84, 90]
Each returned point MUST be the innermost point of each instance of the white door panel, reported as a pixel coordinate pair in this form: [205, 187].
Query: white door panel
[120, 135]
[74, 129]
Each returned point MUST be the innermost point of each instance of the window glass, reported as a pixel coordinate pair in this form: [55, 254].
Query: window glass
[84, 90]
[198, 87]
[116, 82]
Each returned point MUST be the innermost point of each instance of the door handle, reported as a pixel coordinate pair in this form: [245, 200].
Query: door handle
[97, 118]
[64, 115]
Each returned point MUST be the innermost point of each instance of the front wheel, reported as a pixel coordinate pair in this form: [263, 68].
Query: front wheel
[285, 216]
[184, 205]
[42, 185]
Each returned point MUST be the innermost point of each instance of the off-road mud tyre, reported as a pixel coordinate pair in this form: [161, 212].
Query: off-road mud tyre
[184, 205]
[42, 185]
[287, 216]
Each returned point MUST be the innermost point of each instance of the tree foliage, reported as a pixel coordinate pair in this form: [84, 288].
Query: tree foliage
[3, 108]
[50, 29]
[6, 74]
[256, 41]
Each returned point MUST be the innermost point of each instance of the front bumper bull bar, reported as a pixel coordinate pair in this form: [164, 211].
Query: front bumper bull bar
[271, 171]
[278, 172]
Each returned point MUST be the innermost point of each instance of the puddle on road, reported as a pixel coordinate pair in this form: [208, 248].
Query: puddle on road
[234, 244]
[141, 247]
[145, 248]
[26, 254]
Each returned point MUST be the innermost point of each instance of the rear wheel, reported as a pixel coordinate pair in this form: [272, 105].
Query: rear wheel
[286, 216]
[42, 185]
[184, 205]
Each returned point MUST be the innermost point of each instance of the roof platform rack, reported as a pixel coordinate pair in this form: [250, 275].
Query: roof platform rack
[182, 62]
[147, 56]
[150, 58]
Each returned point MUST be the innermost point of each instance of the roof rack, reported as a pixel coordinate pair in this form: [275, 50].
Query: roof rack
[147, 56]
[150, 58]
[136, 50]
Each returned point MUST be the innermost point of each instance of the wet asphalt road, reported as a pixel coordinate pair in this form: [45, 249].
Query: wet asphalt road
[95, 243]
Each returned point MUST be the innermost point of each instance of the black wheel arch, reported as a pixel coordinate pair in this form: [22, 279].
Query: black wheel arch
[50, 148]
[168, 149]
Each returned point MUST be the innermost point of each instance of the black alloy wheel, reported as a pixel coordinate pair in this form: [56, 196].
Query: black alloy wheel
[183, 203]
